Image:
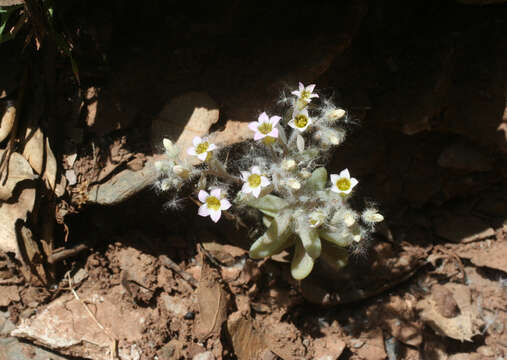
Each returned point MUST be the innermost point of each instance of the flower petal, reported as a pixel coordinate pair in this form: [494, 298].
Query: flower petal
[256, 191]
[273, 133]
[211, 147]
[245, 175]
[353, 182]
[255, 170]
[225, 204]
[335, 189]
[310, 87]
[265, 181]
[334, 178]
[345, 174]
[203, 210]
[301, 86]
[203, 156]
[263, 117]
[253, 125]
[258, 136]
[203, 195]
[215, 192]
[246, 188]
[197, 140]
[215, 215]
[296, 92]
[191, 151]
[274, 120]
[291, 124]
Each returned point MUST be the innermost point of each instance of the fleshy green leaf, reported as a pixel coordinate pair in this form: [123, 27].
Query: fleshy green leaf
[311, 242]
[302, 263]
[336, 237]
[335, 256]
[318, 179]
[275, 239]
[269, 204]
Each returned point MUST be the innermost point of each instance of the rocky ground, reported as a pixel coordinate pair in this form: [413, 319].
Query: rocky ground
[94, 265]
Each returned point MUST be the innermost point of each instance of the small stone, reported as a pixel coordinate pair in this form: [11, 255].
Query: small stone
[208, 355]
[189, 315]
[71, 177]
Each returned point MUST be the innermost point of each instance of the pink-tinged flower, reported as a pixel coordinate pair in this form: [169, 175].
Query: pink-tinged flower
[300, 121]
[212, 204]
[254, 181]
[305, 94]
[265, 127]
[343, 183]
[202, 148]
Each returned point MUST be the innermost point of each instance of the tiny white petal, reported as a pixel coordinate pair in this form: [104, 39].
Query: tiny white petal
[225, 204]
[203, 210]
[256, 191]
[345, 174]
[253, 125]
[211, 147]
[273, 133]
[203, 156]
[255, 170]
[353, 182]
[191, 151]
[301, 87]
[263, 117]
[215, 215]
[274, 120]
[203, 195]
[245, 175]
[334, 178]
[197, 140]
[310, 87]
[215, 192]
[258, 136]
[264, 181]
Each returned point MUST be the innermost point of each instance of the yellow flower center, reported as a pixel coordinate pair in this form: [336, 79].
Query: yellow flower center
[202, 147]
[300, 121]
[265, 128]
[268, 140]
[254, 180]
[305, 95]
[343, 184]
[213, 203]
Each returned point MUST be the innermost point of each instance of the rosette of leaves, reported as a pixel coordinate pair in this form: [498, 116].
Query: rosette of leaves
[281, 217]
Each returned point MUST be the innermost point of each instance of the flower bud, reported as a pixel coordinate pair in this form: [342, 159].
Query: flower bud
[294, 184]
[288, 165]
[181, 171]
[335, 114]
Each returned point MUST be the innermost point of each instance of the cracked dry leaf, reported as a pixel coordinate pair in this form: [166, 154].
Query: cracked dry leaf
[211, 298]
[19, 170]
[247, 340]
[461, 327]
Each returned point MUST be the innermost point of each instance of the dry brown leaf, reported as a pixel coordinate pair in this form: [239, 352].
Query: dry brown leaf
[34, 149]
[51, 168]
[461, 327]
[19, 170]
[7, 122]
[247, 341]
[212, 303]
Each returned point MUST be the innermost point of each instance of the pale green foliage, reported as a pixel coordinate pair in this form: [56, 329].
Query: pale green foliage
[302, 209]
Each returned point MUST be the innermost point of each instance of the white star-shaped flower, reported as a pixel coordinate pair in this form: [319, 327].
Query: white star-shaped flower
[254, 181]
[265, 127]
[202, 148]
[212, 204]
[305, 94]
[343, 183]
[300, 121]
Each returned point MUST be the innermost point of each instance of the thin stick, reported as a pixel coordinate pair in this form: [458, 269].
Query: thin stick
[167, 262]
[114, 345]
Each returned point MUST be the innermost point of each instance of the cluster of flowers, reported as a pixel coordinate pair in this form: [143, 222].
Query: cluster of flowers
[282, 179]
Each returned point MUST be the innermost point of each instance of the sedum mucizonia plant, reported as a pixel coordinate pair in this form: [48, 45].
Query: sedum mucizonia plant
[281, 175]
